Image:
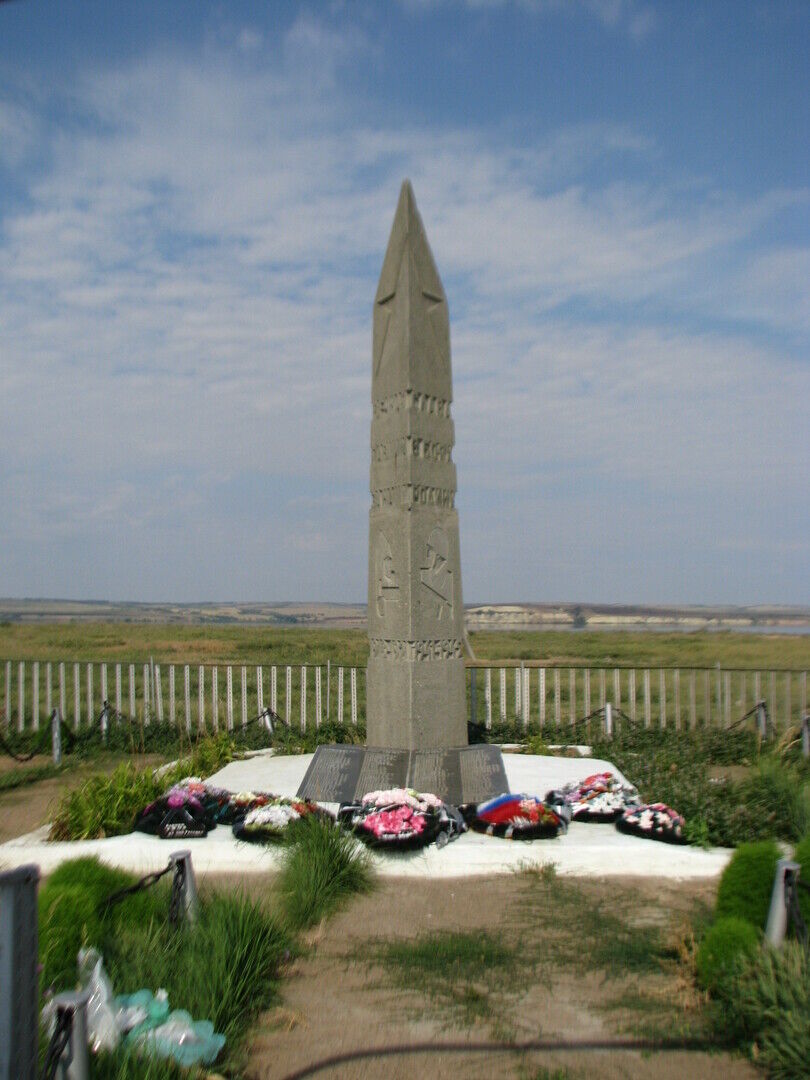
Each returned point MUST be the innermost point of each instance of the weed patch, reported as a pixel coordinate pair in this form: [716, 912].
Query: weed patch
[464, 974]
[321, 867]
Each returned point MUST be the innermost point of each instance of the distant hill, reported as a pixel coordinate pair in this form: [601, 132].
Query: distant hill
[353, 616]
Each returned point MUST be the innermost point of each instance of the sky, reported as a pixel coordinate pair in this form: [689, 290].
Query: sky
[195, 199]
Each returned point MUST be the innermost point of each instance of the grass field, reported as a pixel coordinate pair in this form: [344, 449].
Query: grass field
[195, 644]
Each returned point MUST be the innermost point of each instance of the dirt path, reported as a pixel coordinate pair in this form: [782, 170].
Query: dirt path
[338, 998]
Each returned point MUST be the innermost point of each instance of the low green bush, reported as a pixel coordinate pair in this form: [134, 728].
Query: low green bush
[747, 882]
[72, 914]
[224, 968]
[727, 942]
[768, 1001]
[321, 867]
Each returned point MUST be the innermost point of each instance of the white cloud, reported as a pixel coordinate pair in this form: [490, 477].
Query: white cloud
[185, 315]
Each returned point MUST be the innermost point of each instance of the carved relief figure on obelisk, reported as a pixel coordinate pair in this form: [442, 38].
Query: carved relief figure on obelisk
[416, 685]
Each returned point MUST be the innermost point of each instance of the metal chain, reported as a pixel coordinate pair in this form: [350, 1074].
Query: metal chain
[146, 882]
[58, 1043]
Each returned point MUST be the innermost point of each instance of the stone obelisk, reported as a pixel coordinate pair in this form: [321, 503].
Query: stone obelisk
[416, 715]
[416, 696]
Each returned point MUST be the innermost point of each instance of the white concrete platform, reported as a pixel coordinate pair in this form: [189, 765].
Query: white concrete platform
[585, 850]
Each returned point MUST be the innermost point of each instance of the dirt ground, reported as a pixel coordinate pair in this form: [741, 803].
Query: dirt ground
[337, 999]
[25, 808]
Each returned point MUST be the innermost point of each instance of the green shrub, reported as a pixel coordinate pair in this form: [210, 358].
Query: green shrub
[223, 968]
[106, 805]
[802, 857]
[728, 941]
[72, 914]
[776, 792]
[747, 882]
[769, 998]
[321, 866]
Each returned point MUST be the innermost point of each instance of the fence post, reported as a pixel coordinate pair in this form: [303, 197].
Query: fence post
[586, 691]
[187, 695]
[488, 696]
[274, 688]
[172, 701]
[62, 691]
[229, 697]
[631, 693]
[608, 720]
[21, 696]
[502, 687]
[189, 898]
[104, 691]
[354, 696]
[90, 693]
[617, 687]
[259, 690]
[340, 695]
[147, 707]
[788, 699]
[806, 736]
[19, 973]
[48, 689]
[215, 697]
[158, 694]
[762, 719]
[518, 691]
[557, 715]
[541, 693]
[35, 695]
[776, 926]
[132, 712]
[303, 697]
[77, 698]
[662, 698]
[692, 699]
[572, 695]
[676, 680]
[118, 688]
[317, 696]
[328, 686]
[201, 697]
[75, 1063]
[244, 697]
[56, 737]
[288, 699]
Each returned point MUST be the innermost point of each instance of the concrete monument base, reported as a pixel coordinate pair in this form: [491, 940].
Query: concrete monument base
[458, 775]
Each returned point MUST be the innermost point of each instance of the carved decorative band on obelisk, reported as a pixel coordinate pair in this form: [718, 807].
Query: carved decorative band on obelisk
[416, 695]
[416, 712]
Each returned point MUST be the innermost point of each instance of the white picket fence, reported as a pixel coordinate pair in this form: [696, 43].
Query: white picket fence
[198, 696]
[210, 697]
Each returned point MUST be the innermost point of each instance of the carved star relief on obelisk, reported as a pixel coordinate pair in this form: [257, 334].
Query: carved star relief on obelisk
[410, 308]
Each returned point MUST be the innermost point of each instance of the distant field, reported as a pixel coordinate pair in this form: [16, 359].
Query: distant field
[116, 641]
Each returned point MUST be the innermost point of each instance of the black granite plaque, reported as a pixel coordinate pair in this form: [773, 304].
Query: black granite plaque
[382, 769]
[333, 774]
[437, 771]
[483, 775]
[469, 774]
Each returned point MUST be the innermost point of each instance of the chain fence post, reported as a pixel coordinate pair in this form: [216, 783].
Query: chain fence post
[74, 1064]
[19, 973]
[776, 926]
[189, 897]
